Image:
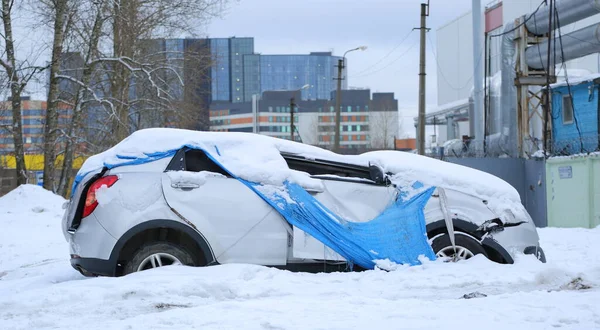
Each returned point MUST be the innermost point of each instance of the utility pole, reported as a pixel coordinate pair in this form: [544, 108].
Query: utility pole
[338, 105]
[421, 123]
[338, 97]
[292, 104]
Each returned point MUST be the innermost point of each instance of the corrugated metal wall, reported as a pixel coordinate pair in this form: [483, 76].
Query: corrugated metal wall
[526, 175]
[570, 137]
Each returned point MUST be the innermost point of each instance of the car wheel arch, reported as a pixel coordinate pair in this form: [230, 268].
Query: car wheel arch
[494, 250]
[136, 236]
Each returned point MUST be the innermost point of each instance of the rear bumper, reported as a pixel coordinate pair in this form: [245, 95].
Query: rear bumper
[93, 266]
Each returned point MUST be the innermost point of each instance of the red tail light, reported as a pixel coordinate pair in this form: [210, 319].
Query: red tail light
[90, 200]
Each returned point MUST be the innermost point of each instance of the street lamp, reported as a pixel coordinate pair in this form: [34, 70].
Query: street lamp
[292, 105]
[338, 97]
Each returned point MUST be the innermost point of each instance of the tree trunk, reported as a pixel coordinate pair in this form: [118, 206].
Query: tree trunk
[123, 46]
[75, 125]
[16, 86]
[52, 112]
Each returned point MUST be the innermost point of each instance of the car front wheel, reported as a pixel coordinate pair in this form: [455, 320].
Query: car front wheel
[159, 254]
[464, 248]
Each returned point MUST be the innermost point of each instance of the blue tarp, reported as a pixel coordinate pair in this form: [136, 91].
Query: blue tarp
[397, 234]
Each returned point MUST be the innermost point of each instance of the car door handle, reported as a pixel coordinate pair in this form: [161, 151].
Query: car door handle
[185, 185]
[313, 190]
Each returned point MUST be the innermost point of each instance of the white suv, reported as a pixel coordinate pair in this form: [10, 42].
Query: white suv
[159, 198]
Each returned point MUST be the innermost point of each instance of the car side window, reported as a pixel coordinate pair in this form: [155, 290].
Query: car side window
[316, 167]
[197, 161]
[194, 160]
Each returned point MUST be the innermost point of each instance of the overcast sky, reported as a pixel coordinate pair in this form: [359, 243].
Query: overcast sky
[302, 26]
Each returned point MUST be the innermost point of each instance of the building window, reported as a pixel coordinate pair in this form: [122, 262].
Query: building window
[270, 109]
[349, 108]
[567, 108]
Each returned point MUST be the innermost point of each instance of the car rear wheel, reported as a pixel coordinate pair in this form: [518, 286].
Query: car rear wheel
[159, 254]
[465, 247]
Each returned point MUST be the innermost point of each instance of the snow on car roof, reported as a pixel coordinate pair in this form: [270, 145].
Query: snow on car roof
[258, 158]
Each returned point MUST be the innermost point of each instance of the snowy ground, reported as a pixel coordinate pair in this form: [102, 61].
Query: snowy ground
[39, 289]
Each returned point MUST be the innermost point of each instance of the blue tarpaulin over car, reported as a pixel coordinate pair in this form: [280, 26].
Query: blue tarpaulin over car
[397, 234]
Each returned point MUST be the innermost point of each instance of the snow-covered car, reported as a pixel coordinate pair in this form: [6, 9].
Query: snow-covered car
[167, 196]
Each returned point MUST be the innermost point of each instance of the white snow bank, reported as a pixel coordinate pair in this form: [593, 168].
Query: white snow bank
[29, 197]
[30, 232]
[40, 290]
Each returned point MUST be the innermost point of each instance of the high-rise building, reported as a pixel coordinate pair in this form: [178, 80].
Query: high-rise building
[237, 72]
[195, 73]
[318, 70]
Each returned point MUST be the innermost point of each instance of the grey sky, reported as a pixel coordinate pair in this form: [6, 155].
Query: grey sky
[293, 26]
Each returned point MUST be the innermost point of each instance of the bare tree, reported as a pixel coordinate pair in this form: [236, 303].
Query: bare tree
[19, 74]
[119, 84]
[61, 13]
[133, 21]
[383, 126]
[88, 31]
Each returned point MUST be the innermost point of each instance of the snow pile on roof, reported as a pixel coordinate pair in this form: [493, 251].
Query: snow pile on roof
[408, 167]
[577, 156]
[257, 158]
[575, 78]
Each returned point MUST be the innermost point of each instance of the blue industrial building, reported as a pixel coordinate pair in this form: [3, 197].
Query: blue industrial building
[576, 116]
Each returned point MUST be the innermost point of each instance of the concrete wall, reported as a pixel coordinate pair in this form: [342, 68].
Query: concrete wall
[526, 176]
[573, 191]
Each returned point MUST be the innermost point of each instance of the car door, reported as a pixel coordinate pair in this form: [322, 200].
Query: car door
[347, 191]
[239, 225]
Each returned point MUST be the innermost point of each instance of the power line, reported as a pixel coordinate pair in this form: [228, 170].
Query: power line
[470, 80]
[386, 55]
[388, 65]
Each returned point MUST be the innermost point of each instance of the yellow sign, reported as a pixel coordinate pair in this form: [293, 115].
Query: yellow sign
[36, 162]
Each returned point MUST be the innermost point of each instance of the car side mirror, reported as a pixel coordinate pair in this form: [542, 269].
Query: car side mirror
[377, 174]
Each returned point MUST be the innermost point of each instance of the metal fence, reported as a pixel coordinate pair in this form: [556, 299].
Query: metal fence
[527, 176]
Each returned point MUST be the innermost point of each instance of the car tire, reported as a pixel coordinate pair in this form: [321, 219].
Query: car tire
[158, 254]
[466, 247]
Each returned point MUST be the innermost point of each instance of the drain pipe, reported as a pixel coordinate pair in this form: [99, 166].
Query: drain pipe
[507, 127]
